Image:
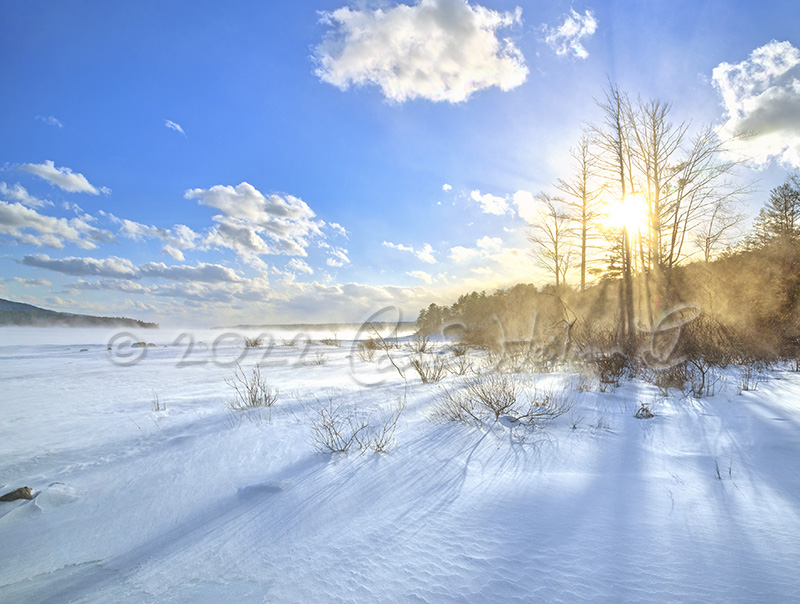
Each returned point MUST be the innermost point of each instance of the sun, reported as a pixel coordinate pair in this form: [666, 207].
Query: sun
[629, 214]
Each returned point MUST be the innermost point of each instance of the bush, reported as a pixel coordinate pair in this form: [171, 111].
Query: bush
[254, 342]
[339, 428]
[430, 371]
[420, 344]
[489, 398]
[250, 392]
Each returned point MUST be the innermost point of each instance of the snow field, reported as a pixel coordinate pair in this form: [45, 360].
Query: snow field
[181, 505]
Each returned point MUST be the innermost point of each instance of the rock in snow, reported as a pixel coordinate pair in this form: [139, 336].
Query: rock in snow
[20, 493]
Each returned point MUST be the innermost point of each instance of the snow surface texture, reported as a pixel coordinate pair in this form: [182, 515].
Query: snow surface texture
[699, 504]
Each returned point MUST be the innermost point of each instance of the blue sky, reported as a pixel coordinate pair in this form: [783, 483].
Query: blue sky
[203, 163]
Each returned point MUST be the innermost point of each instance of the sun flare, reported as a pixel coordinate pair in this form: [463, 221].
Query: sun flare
[630, 214]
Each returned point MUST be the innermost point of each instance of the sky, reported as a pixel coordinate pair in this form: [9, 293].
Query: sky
[205, 163]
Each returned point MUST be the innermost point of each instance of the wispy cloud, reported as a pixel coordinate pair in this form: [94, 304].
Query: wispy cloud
[174, 126]
[122, 268]
[568, 37]
[299, 266]
[49, 120]
[440, 50]
[20, 194]
[63, 178]
[425, 254]
[761, 97]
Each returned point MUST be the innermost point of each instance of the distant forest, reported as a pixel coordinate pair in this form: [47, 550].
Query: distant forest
[26, 315]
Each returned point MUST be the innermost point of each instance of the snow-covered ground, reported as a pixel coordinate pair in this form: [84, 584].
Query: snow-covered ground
[699, 504]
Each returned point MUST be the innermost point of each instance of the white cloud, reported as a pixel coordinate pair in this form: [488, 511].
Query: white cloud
[20, 194]
[337, 257]
[81, 267]
[568, 37]
[489, 243]
[441, 50]
[490, 204]
[526, 206]
[460, 253]
[49, 120]
[174, 126]
[447, 187]
[338, 229]
[64, 178]
[253, 224]
[28, 282]
[17, 222]
[761, 96]
[299, 266]
[425, 254]
[176, 240]
[122, 268]
[422, 276]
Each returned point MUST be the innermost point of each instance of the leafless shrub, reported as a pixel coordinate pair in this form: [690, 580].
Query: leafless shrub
[430, 370]
[338, 427]
[157, 404]
[750, 376]
[420, 344]
[334, 341]
[704, 379]
[365, 350]
[459, 349]
[254, 342]
[574, 420]
[319, 358]
[610, 367]
[667, 378]
[251, 391]
[461, 365]
[643, 412]
[486, 399]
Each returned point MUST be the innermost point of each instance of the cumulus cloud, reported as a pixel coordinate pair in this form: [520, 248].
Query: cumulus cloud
[425, 254]
[63, 178]
[26, 225]
[175, 240]
[174, 126]
[568, 37]
[447, 187]
[491, 204]
[20, 194]
[761, 96]
[49, 120]
[526, 206]
[441, 50]
[251, 223]
[460, 253]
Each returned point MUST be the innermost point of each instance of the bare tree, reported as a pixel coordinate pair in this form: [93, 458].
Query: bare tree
[551, 236]
[614, 157]
[583, 199]
[720, 230]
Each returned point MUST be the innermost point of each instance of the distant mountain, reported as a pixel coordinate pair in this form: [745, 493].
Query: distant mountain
[20, 314]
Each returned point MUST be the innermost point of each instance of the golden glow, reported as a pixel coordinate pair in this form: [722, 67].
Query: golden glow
[630, 214]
